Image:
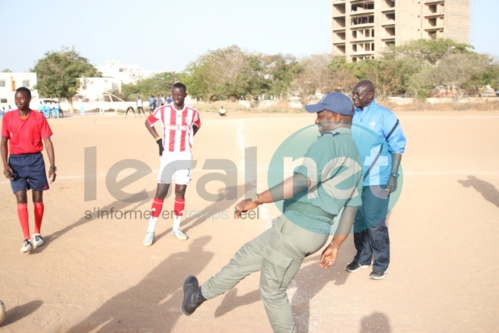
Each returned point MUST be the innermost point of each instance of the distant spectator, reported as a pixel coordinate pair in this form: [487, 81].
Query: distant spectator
[43, 108]
[222, 112]
[157, 102]
[82, 107]
[54, 110]
[128, 109]
[151, 104]
[139, 106]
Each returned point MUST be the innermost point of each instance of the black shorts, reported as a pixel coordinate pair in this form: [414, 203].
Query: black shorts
[29, 172]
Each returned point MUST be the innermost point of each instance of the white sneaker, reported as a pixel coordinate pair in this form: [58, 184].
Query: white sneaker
[179, 234]
[149, 239]
[37, 240]
[27, 246]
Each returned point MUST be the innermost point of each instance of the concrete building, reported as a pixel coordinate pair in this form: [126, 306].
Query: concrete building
[362, 29]
[92, 88]
[114, 74]
[9, 82]
[126, 73]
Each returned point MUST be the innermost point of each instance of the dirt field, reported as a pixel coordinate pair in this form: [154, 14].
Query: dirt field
[94, 275]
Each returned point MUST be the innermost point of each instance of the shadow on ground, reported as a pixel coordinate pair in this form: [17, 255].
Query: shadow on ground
[488, 191]
[155, 301]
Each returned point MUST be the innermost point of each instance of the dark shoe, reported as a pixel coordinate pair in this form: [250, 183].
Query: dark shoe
[354, 266]
[192, 296]
[377, 275]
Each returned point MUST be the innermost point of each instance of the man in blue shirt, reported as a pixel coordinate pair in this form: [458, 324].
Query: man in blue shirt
[381, 142]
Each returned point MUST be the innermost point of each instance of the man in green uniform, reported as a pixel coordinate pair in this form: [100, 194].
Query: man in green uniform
[328, 180]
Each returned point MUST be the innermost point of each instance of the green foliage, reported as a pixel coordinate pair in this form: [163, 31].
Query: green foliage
[280, 70]
[414, 69]
[160, 83]
[430, 51]
[59, 73]
[225, 73]
[489, 75]
[314, 76]
[419, 66]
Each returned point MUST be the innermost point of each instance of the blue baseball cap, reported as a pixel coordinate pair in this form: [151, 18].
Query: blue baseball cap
[334, 102]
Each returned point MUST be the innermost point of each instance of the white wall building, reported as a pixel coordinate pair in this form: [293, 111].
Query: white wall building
[9, 82]
[114, 73]
[92, 88]
[127, 74]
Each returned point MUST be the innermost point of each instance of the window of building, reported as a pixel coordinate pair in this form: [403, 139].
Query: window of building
[362, 20]
[363, 6]
[3, 100]
[26, 83]
[2, 83]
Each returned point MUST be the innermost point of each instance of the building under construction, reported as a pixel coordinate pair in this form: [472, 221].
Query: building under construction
[362, 29]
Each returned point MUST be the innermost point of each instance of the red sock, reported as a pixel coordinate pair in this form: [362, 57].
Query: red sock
[22, 213]
[39, 209]
[178, 207]
[157, 206]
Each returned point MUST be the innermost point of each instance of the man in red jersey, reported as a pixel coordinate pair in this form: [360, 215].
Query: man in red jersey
[179, 125]
[24, 132]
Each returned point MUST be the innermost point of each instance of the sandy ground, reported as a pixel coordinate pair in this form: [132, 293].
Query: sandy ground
[94, 275]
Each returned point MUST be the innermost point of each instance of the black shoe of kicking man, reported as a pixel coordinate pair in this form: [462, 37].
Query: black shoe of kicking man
[354, 266]
[193, 297]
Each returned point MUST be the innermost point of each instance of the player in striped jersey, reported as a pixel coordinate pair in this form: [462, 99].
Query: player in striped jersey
[179, 125]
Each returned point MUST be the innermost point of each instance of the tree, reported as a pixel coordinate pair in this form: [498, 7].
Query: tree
[279, 73]
[59, 74]
[431, 51]
[160, 83]
[389, 73]
[225, 73]
[344, 75]
[313, 77]
[431, 63]
[488, 76]
[456, 71]
[252, 79]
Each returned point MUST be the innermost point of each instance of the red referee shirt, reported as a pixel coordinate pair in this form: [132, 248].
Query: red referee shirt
[25, 135]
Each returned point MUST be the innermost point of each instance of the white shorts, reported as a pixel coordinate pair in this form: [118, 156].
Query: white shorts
[175, 167]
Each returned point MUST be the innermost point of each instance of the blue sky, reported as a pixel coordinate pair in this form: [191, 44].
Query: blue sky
[166, 35]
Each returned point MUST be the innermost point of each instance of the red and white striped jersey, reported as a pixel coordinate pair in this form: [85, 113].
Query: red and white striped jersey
[177, 126]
